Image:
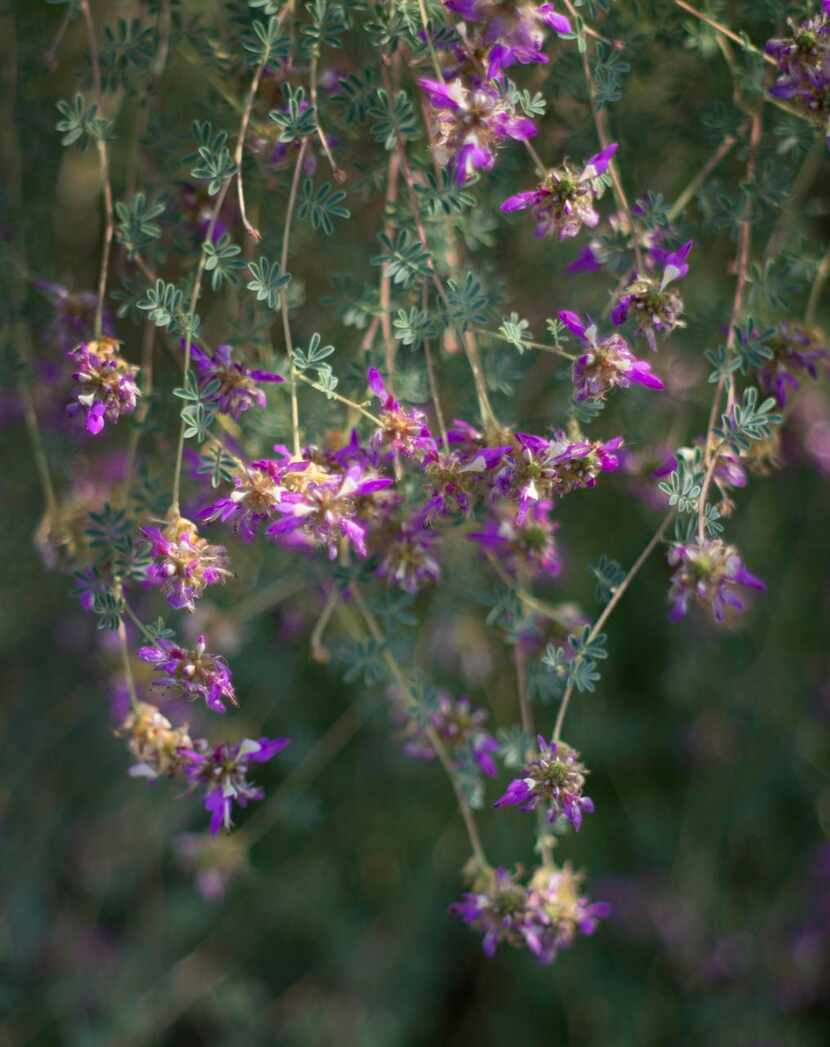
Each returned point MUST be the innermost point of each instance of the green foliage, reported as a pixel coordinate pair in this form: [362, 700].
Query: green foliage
[223, 261]
[128, 50]
[748, 421]
[608, 71]
[163, 305]
[404, 259]
[467, 304]
[443, 196]
[298, 120]
[266, 43]
[267, 281]
[514, 330]
[215, 165]
[609, 576]
[413, 328]
[323, 206]
[81, 123]
[220, 466]
[393, 120]
[199, 410]
[328, 23]
[137, 227]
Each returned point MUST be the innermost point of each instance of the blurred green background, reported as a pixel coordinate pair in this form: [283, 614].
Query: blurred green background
[323, 919]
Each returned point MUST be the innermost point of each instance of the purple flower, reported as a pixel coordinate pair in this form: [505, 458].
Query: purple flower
[254, 499]
[657, 308]
[223, 774]
[73, 316]
[409, 561]
[325, 509]
[460, 726]
[605, 364]
[544, 917]
[513, 33]
[235, 385]
[107, 387]
[708, 573]
[184, 564]
[553, 781]
[194, 674]
[527, 546]
[538, 468]
[564, 201]
[471, 123]
[803, 59]
[796, 351]
[403, 430]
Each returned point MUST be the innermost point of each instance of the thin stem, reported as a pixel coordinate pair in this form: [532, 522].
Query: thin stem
[601, 124]
[432, 53]
[147, 348]
[137, 622]
[253, 232]
[49, 56]
[822, 273]
[725, 31]
[528, 599]
[541, 170]
[619, 592]
[525, 711]
[188, 342]
[682, 202]
[544, 347]
[432, 380]
[103, 161]
[385, 281]
[339, 176]
[125, 661]
[741, 267]
[319, 651]
[395, 670]
[342, 399]
[286, 323]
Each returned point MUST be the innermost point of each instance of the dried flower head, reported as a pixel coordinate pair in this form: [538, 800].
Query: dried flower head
[153, 741]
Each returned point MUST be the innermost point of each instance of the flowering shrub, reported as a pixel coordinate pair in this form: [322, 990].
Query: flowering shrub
[431, 438]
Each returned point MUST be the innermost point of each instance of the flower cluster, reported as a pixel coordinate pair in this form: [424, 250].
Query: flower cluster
[708, 573]
[797, 351]
[657, 307]
[221, 771]
[564, 201]
[106, 384]
[460, 726]
[605, 364]
[803, 58]
[193, 674]
[553, 782]
[184, 564]
[471, 123]
[509, 33]
[544, 916]
[234, 384]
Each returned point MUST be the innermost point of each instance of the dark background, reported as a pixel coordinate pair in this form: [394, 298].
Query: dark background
[708, 747]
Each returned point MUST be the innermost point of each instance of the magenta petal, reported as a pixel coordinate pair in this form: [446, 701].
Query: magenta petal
[642, 374]
[520, 201]
[572, 322]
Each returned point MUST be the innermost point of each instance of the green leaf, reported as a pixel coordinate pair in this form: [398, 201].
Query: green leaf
[267, 281]
[323, 206]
